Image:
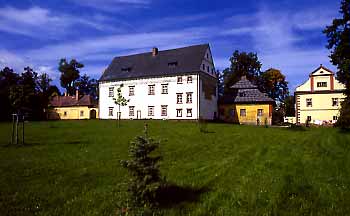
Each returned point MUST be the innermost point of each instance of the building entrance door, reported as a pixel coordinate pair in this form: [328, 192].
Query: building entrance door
[138, 114]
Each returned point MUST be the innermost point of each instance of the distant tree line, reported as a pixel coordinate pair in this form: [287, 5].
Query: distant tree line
[29, 93]
[25, 93]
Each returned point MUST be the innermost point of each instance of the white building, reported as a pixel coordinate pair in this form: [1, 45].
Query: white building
[171, 84]
[318, 100]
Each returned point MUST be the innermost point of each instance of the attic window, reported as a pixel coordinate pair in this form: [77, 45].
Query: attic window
[127, 69]
[172, 64]
[321, 72]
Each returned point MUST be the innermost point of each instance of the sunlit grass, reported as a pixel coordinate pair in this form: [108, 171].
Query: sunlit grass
[72, 168]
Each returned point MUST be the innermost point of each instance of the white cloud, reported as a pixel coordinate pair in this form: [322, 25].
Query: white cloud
[117, 44]
[12, 60]
[42, 23]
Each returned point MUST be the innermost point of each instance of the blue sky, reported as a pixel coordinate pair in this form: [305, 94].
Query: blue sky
[286, 34]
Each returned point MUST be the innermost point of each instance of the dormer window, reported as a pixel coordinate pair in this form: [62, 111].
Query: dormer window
[126, 69]
[321, 84]
[172, 64]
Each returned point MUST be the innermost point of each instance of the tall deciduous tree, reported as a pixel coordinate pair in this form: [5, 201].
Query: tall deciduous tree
[338, 35]
[274, 83]
[69, 74]
[8, 78]
[242, 64]
[87, 86]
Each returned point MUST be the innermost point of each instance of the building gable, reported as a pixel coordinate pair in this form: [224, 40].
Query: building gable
[321, 79]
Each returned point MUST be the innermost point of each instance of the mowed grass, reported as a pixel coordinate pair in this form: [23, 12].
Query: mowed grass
[72, 168]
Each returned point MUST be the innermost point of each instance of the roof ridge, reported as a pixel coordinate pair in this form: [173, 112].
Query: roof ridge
[160, 51]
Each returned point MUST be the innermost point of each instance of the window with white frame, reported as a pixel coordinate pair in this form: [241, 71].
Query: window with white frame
[111, 92]
[164, 88]
[189, 79]
[335, 102]
[335, 118]
[243, 112]
[179, 80]
[110, 111]
[131, 90]
[131, 110]
[81, 113]
[179, 98]
[151, 89]
[150, 110]
[189, 97]
[260, 112]
[164, 110]
[65, 113]
[189, 112]
[178, 112]
[308, 102]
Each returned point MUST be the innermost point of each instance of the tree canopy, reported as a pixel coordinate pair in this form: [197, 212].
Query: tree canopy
[242, 64]
[274, 83]
[69, 74]
[271, 82]
[87, 86]
[27, 93]
[338, 35]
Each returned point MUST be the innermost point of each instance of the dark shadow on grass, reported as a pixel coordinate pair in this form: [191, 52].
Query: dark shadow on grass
[75, 142]
[171, 195]
[294, 127]
[344, 130]
[9, 145]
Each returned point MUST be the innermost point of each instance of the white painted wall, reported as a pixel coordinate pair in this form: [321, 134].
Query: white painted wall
[141, 100]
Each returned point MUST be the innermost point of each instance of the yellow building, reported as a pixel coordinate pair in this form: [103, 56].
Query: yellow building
[73, 107]
[247, 105]
[318, 99]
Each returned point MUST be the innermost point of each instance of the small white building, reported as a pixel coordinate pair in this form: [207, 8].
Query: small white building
[171, 84]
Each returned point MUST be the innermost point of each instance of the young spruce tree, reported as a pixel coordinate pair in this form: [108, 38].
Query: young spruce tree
[143, 167]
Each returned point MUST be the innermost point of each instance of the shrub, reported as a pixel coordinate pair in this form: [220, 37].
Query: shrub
[344, 118]
[145, 178]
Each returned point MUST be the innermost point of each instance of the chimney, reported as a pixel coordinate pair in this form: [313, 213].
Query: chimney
[154, 51]
[77, 95]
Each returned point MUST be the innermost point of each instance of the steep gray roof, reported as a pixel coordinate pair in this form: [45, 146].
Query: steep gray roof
[246, 92]
[243, 83]
[251, 96]
[167, 62]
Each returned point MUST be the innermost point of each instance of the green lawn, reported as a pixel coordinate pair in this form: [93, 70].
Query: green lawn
[72, 168]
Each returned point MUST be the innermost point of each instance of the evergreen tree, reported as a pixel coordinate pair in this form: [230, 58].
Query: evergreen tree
[143, 166]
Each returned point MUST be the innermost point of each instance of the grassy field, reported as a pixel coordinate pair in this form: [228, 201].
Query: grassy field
[72, 168]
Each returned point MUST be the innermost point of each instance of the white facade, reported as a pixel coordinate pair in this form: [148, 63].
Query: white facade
[319, 99]
[182, 95]
[141, 102]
